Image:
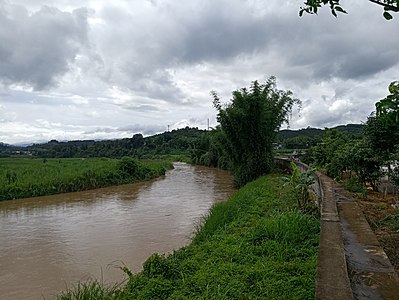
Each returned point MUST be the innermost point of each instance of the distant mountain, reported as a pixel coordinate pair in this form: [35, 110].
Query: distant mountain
[351, 129]
[307, 137]
[174, 142]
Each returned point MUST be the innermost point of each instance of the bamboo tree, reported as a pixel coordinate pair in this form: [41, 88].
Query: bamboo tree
[250, 123]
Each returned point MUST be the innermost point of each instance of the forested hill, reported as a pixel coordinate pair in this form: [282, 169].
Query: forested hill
[307, 137]
[350, 129]
[174, 142]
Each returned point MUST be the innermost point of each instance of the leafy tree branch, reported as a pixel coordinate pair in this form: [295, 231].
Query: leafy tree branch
[313, 6]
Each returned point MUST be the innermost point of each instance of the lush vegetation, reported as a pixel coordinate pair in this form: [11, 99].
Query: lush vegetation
[257, 245]
[249, 126]
[360, 159]
[175, 142]
[28, 177]
[309, 137]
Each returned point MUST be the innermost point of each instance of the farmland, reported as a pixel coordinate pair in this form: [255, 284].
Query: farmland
[30, 177]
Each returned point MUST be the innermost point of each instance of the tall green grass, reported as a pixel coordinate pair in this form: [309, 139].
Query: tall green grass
[257, 245]
[92, 289]
[29, 177]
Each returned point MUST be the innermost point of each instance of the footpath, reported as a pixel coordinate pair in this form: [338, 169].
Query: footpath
[351, 263]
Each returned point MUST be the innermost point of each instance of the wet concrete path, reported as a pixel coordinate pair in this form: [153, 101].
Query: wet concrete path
[351, 263]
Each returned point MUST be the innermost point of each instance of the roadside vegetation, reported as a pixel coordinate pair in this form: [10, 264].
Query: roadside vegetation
[257, 245]
[28, 177]
[368, 166]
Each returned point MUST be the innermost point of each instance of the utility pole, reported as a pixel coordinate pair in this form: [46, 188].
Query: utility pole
[168, 127]
[208, 124]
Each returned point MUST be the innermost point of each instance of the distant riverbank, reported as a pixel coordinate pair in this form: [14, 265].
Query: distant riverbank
[31, 177]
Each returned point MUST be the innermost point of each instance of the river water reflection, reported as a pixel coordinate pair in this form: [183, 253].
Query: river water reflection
[48, 243]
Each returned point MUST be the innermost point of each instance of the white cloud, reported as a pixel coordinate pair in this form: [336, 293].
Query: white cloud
[97, 69]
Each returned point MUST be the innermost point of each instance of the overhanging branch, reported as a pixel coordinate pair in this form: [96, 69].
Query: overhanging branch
[386, 6]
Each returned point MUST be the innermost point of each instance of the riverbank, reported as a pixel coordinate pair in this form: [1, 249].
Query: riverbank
[31, 177]
[257, 245]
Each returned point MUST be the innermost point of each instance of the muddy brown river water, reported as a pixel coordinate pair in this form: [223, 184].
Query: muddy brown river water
[48, 243]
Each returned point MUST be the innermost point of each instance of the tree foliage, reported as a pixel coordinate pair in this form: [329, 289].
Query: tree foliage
[208, 150]
[312, 7]
[388, 108]
[250, 123]
[175, 142]
[365, 156]
[301, 183]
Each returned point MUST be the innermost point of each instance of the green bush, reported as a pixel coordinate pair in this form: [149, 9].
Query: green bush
[354, 185]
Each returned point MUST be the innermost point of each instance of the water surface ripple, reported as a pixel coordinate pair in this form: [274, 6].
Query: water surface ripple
[48, 243]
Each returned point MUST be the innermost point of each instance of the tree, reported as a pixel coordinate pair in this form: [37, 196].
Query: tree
[324, 152]
[312, 6]
[137, 141]
[389, 106]
[382, 129]
[250, 123]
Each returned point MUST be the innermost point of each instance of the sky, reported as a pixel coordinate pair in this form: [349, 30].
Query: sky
[110, 69]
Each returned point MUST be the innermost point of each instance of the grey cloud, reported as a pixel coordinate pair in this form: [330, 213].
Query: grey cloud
[143, 108]
[37, 48]
[135, 128]
[144, 129]
[219, 32]
[224, 34]
[328, 112]
[142, 50]
[157, 84]
[338, 49]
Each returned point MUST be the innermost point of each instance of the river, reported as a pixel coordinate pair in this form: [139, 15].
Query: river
[49, 243]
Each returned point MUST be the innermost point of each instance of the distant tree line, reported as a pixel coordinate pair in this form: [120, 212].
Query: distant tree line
[248, 133]
[174, 142]
[308, 137]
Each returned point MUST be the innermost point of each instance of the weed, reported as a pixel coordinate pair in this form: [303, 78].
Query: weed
[301, 182]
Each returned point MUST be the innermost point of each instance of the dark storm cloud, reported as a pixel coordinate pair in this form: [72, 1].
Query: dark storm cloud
[37, 48]
[223, 33]
[144, 49]
[345, 48]
[166, 37]
[157, 84]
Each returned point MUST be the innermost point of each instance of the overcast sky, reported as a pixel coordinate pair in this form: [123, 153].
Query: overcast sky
[110, 69]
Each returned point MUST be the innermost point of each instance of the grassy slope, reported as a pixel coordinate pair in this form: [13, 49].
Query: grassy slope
[254, 246]
[36, 177]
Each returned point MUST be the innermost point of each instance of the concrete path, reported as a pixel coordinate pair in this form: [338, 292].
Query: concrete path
[371, 274]
[351, 263]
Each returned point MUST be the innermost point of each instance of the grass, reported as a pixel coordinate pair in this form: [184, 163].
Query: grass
[391, 221]
[30, 177]
[92, 289]
[257, 245]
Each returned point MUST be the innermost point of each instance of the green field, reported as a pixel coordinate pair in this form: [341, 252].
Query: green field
[257, 245]
[30, 177]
